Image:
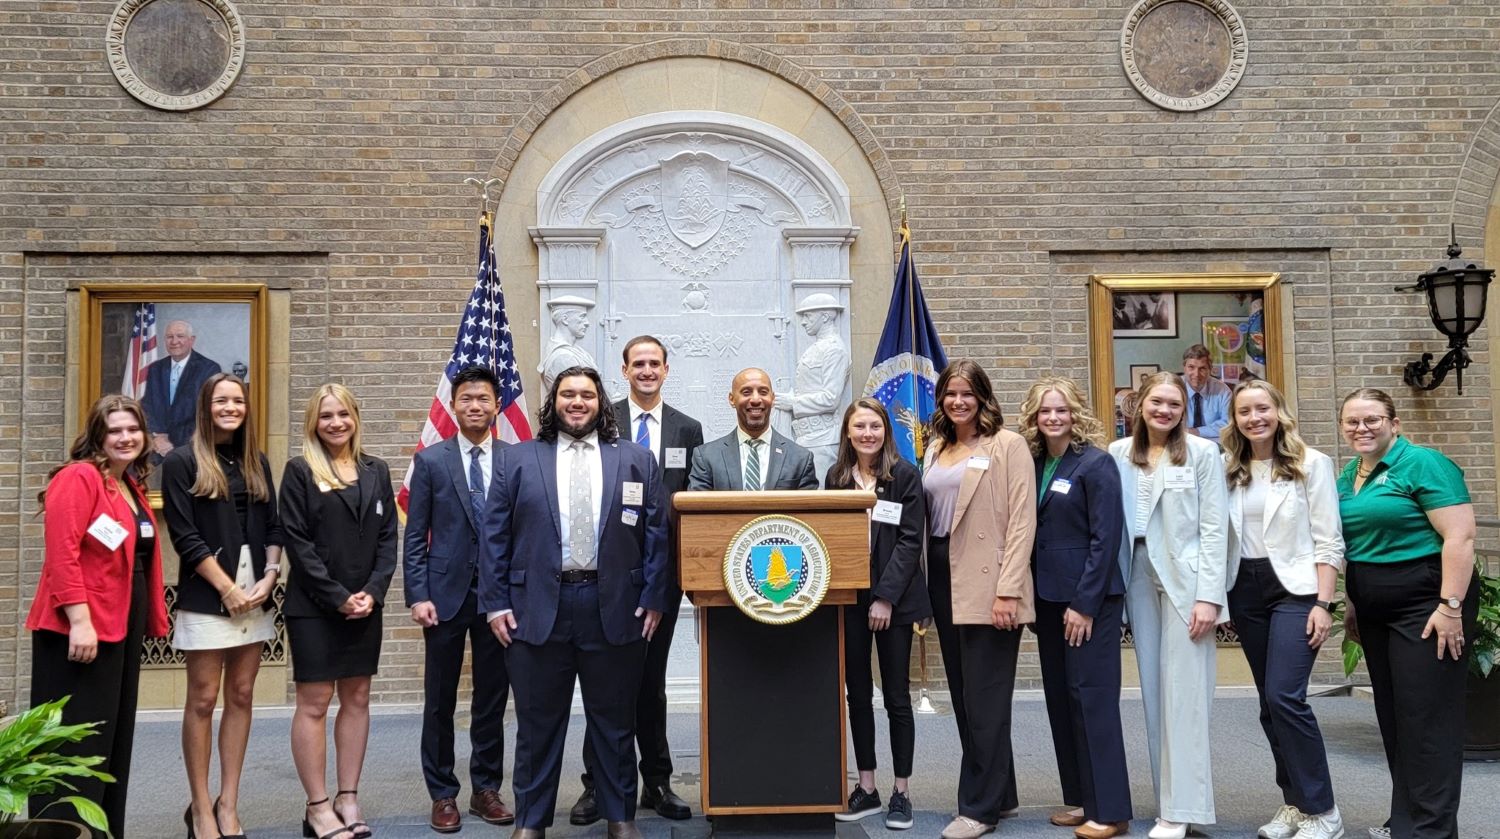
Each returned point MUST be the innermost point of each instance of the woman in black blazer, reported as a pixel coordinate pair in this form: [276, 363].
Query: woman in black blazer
[1080, 596]
[220, 505]
[884, 615]
[339, 516]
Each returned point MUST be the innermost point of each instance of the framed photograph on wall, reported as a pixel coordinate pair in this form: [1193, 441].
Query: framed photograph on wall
[158, 343]
[1139, 372]
[1151, 314]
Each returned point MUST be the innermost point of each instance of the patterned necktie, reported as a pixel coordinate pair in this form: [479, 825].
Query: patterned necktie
[580, 508]
[172, 388]
[643, 431]
[1197, 410]
[752, 465]
[476, 483]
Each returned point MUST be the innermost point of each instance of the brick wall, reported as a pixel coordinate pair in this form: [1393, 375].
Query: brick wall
[334, 168]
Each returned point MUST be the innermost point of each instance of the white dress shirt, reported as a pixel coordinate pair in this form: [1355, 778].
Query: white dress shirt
[764, 452]
[486, 461]
[653, 425]
[596, 493]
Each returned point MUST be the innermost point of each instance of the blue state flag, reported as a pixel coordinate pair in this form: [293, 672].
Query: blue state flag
[909, 358]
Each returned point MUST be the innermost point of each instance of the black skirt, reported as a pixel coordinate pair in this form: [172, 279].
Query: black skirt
[326, 649]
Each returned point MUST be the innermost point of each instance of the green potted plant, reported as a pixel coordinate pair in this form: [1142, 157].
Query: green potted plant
[31, 765]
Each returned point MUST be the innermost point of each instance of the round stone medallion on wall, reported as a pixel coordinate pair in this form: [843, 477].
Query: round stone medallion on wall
[176, 55]
[1184, 55]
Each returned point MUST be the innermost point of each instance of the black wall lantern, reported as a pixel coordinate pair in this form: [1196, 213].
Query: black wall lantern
[1456, 291]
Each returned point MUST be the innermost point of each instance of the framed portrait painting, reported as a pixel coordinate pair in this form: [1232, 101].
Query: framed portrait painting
[1139, 372]
[158, 343]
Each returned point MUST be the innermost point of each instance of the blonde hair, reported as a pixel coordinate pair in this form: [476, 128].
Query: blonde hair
[313, 450]
[1140, 437]
[1288, 449]
[1087, 429]
[211, 482]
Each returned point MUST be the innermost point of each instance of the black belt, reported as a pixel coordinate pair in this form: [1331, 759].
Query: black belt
[578, 576]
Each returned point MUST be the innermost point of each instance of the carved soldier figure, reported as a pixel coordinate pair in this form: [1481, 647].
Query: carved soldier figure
[570, 322]
[821, 382]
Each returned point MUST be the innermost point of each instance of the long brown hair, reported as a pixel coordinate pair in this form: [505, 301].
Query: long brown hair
[88, 446]
[991, 419]
[1287, 450]
[1140, 439]
[211, 482]
[1087, 429]
[841, 474]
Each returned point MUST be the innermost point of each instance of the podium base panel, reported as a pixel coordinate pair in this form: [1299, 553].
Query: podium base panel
[774, 715]
[795, 826]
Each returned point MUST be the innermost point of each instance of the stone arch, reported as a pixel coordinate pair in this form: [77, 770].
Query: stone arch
[1475, 198]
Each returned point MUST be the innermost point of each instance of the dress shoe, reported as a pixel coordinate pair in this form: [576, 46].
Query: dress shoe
[1068, 818]
[623, 830]
[664, 801]
[964, 827]
[487, 805]
[585, 809]
[528, 833]
[445, 816]
[1168, 830]
[1095, 830]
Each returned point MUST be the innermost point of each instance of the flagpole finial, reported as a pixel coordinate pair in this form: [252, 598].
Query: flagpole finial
[487, 203]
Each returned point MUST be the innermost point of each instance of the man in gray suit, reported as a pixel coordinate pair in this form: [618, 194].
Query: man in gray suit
[753, 456]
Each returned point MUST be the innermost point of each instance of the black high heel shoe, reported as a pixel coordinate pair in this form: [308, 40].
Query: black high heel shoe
[222, 834]
[187, 819]
[354, 827]
[307, 828]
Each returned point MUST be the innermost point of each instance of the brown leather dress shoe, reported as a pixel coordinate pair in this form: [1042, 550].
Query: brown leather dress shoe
[1067, 818]
[487, 805]
[445, 817]
[623, 830]
[1095, 830]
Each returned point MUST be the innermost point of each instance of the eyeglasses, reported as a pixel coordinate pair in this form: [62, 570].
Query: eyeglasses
[1372, 423]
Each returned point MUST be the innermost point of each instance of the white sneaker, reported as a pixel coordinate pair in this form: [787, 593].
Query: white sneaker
[1329, 825]
[1284, 825]
[1164, 829]
[1381, 832]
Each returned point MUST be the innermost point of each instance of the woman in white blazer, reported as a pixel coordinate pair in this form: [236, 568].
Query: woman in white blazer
[1175, 562]
[1286, 547]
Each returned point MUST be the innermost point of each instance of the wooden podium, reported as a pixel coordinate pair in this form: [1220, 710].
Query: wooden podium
[772, 696]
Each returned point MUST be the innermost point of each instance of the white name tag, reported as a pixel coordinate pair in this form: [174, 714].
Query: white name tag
[887, 512]
[1179, 477]
[107, 531]
[324, 487]
[1061, 486]
[633, 493]
[629, 517]
[676, 458]
[379, 508]
[979, 461]
[147, 531]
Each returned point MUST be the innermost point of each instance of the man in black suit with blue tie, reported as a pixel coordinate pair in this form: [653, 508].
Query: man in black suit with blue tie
[579, 599]
[444, 515]
[672, 436]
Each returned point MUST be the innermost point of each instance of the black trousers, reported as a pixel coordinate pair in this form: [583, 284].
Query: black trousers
[650, 709]
[893, 649]
[1419, 699]
[444, 658]
[542, 677]
[988, 771]
[106, 690]
[1082, 687]
[1272, 625]
[940, 592]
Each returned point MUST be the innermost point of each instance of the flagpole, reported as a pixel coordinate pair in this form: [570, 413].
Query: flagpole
[917, 443]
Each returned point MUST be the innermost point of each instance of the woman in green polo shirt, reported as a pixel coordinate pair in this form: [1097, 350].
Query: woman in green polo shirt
[1409, 543]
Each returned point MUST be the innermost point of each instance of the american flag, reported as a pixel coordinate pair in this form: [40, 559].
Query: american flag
[483, 339]
[140, 352]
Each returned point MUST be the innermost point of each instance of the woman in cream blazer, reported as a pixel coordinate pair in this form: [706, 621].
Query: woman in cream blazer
[1286, 547]
[981, 492]
[1174, 559]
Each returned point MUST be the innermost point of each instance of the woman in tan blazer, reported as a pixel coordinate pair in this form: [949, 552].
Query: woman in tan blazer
[981, 500]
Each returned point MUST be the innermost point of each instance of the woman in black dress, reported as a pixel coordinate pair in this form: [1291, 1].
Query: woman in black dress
[220, 505]
[339, 519]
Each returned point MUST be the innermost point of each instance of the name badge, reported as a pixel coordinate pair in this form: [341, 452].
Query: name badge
[633, 493]
[324, 487]
[108, 531]
[676, 458]
[980, 462]
[379, 507]
[1061, 486]
[629, 517]
[1179, 477]
[147, 531]
[887, 512]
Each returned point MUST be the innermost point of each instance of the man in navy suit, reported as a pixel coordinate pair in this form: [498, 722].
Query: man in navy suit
[578, 599]
[445, 512]
[671, 436]
[172, 385]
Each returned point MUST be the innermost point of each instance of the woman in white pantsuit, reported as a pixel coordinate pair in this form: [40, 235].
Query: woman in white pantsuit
[1175, 562]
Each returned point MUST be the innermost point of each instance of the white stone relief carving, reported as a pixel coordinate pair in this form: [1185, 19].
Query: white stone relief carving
[696, 299]
[822, 381]
[570, 322]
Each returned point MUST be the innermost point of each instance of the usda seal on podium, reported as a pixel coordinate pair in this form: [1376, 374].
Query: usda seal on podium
[776, 569]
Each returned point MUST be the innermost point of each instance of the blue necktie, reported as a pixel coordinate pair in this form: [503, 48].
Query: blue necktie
[172, 388]
[643, 431]
[476, 484]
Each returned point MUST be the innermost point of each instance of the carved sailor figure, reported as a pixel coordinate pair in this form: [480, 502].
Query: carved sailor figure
[570, 322]
[821, 383]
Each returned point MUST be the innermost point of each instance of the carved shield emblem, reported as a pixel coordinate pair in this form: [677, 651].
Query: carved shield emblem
[694, 196]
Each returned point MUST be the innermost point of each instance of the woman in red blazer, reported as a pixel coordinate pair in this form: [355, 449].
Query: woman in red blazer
[100, 595]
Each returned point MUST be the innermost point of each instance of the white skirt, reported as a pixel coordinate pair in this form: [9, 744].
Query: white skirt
[199, 631]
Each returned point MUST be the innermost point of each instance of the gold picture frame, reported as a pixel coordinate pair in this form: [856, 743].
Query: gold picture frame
[1103, 287]
[233, 317]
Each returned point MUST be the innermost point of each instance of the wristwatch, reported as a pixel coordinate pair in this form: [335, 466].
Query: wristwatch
[1454, 603]
[1325, 605]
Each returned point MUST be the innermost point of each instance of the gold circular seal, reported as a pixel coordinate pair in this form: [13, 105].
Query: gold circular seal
[776, 569]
